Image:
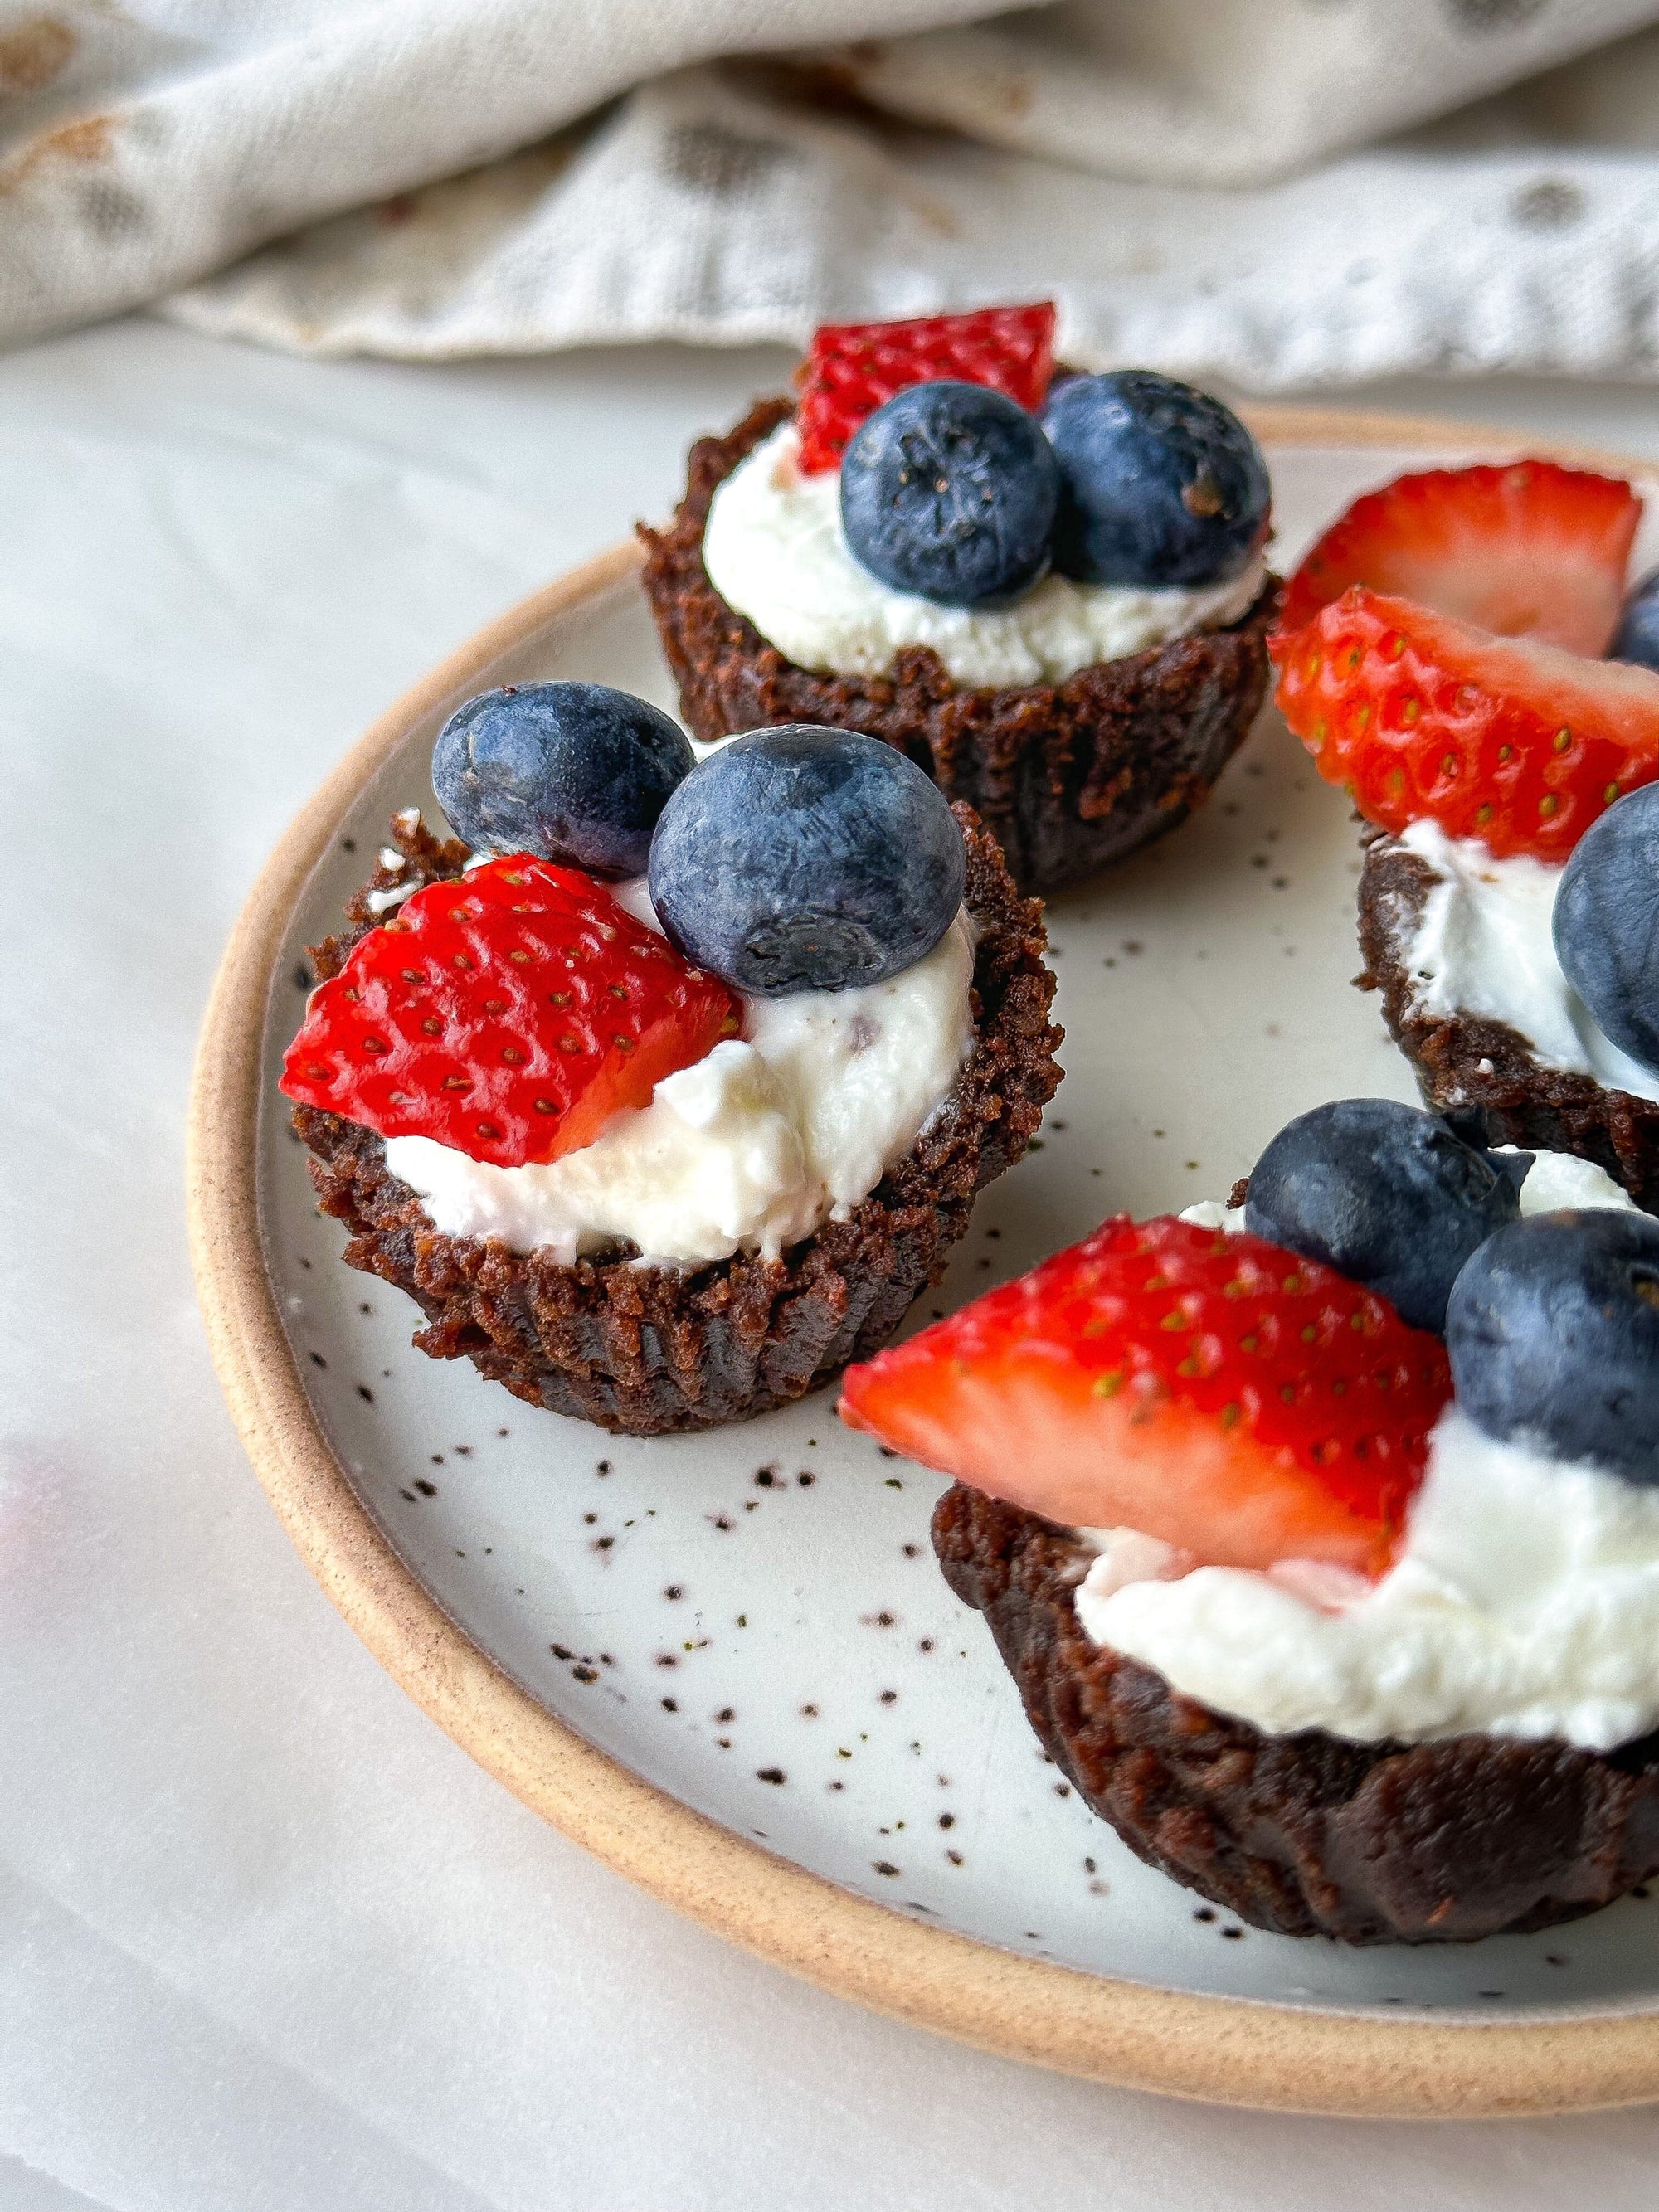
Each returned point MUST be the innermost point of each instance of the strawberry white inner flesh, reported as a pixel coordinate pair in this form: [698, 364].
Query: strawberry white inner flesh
[1525, 549]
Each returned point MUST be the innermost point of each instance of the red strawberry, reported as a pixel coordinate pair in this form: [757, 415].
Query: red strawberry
[1502, 739]
[508, 1013]
[1241, 1403]
[1530, 550]
[853, 368]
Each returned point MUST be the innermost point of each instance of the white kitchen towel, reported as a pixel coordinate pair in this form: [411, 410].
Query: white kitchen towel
[1282, 191]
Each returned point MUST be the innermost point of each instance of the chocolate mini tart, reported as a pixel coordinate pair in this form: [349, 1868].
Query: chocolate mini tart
[1481, 1074]
[1065, 776]
[1304, 1834]
[646, 1350]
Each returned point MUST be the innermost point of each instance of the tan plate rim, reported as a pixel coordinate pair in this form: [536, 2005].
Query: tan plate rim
[1227, 2051]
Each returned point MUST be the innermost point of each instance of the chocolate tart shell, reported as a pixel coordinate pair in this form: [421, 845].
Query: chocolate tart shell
[1066, 776]
[1304, 1834]
[647, 1351]
[1481, 1074]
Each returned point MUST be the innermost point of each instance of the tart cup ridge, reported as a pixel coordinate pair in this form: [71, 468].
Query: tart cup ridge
[1307, 1834]
[1482, 1075]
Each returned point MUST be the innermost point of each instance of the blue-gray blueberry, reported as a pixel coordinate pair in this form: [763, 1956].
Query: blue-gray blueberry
[804, 859]
[576, 773]
[1386, 1194]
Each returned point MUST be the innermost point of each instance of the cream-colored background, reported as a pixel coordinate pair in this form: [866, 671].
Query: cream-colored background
[266, 1938]
[1278, 190]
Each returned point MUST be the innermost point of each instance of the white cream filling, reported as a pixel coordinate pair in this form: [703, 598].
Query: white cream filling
[1484, 946]
[774, 550]
[1524, 1602]
[750, 1148]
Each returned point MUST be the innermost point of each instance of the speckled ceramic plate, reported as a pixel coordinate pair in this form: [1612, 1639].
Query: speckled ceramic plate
[728, 1662]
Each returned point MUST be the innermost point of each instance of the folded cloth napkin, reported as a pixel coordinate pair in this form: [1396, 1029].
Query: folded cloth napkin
[1280, 191]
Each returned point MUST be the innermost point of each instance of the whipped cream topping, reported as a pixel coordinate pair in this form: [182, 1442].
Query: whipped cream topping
[774, 550]
[1524, 1601]
[1484, 946]
[752, 1147]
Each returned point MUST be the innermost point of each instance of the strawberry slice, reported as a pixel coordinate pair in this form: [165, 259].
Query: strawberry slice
[1235, 1400]
[1504, 738]
[509, 1013]
[1529, 550]
[853, 368]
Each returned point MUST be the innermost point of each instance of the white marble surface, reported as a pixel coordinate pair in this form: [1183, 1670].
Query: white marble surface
[267, 1939]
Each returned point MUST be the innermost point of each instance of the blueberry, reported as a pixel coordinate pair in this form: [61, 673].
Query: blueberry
[1159, 484]
[1637, 637]
[1553, 1335]
[1384, 1194]
[1607, 923]
[574, 772]
[1516, 1165]
[806, 860]
[950, 491]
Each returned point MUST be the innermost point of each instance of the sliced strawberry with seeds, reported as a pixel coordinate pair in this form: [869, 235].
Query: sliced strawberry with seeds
[509, 1013]
[853, 368]
[1233, 1399]
[1527, 549]
[1504, 738]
